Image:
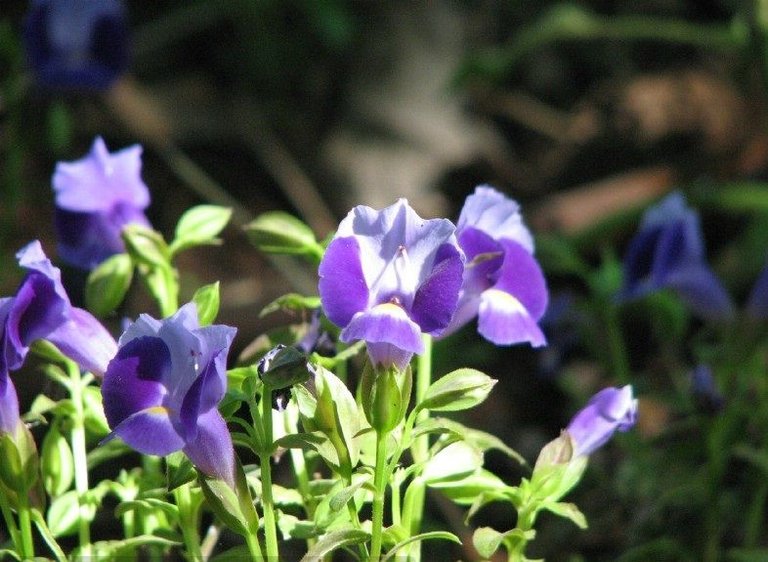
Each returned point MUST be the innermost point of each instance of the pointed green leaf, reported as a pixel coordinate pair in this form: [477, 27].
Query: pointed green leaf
[207, 300]
[108, 283]
[200, 225]
[291, 301]
[442, 535]
[146, 246]
[64, 514]
[466, 490]
[454, 462]
[333, 541]
[458, 390]
[568, 511]
[276, 232]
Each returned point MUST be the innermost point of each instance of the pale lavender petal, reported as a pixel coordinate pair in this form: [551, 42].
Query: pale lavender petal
[386, 354]
[610, 410]
[493, 212]
[134, 378]
[384, 324]
[503, 320]
[149, 431]
[211, 450]
[9, 405]
[342, 287]
[84, 339]
[100, 180]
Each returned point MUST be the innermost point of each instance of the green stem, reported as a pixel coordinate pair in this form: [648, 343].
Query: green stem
[265, 456]
[379, 485]
[25, 526]
[525, 517]
[80, 458]
[188, 521]
[253, 546]
[10, 522]
[619, 362]
[299, 465]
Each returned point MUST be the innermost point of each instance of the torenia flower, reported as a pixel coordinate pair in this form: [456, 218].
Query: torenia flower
[95, 198]
[162, 389]
[610, 410]
[503, 284]
[77, 44]
[387, 277]
[41, 310]
[9, 401]
[668, 252]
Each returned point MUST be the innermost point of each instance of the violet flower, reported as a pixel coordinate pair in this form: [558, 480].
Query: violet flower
[705, 391]
[9, 401]
[610, 410]
[387, 277]
[757, 302]
[77, 44]
[668, 253]
[41, 310]
[95, 198]
[503, 284]
[162, 389]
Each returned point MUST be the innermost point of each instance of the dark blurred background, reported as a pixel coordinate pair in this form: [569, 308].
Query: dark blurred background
[582, 111]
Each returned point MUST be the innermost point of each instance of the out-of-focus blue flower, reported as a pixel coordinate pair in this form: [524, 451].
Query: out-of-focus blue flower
[503, 284]
[162, 389]
[705, 391]
[610, 410]
[41, 310]
[77, 44]
[668, 253]
[387, 277]
[96, 197]
[9, 402]
[757, 303]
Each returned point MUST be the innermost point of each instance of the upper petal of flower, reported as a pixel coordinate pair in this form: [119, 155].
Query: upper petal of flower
[343, 289]
[211, 450]
[101, 180]
[435, 301]
[84, 339]
[492, 212]
[610, 410]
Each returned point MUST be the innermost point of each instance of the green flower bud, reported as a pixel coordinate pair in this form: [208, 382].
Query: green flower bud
[385, 396]
[57, 463]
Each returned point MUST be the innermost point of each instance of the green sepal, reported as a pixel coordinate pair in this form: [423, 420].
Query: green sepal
[108, 284]
[19, 461]
[207, 300]
[277, 232]
[199, 226]
[556, 470]
[385, 394]
[458, 390]
[179, 470]
[233, 506]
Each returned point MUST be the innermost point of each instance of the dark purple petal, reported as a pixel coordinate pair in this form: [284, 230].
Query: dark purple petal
[610, 410]
[9, 405]
[702, 291]
[503, 320]
[436, 298]
[134, 380]
[638, 264]
[343, 289]
[211, 450]
[204, 394]
[149, 431]
[492, 212]
[76, 45]
[520, 275]
[385, 324]
[83, 339]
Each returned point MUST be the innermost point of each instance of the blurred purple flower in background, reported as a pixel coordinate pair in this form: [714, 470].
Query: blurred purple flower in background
[162, 389]
[757, 302]
[503, 284]
[705, 391]
[9, 401]
[610, 410]
[77, 44]
[95, 198]
[387, 277]
[668, 253]
[41, 310]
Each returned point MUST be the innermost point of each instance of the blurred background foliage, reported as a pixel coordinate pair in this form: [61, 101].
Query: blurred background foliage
[583, 111]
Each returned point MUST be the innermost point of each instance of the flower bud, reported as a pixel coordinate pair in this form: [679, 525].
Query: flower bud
[385, 396]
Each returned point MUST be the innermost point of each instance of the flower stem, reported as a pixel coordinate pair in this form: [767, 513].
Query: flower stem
[265, 456]
[188, 521]
[253, 546]
[25, 526]
[379, 485]
[10, 522]
[80, 459]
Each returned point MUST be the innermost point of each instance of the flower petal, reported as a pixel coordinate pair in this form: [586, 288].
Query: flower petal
[343, 289]
[204, 394]
[149, 431]
[702, 291]
[521, 276]
[490, 211]
[610, 410]
[211, 450]
[9, 405]
[134, 378]
[385, 323]
[503, 320]
[436, 298]
[83, 339]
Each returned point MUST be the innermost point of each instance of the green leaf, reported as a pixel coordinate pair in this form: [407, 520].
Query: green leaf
[442, 535]
[301, 441]
[95, 420]
[207, 300]
[276, 232]
[487, 540]
[146, 246]
[466, 490]
[225, 503]
[341, 499]
[567, 511]
[458, 390]
[333, 541]
[113, 550]
[236, 554]
[283, 366]
[480, 439]
[179, 470]
[200, 225]
[454, 462]
[64, 514]
[291, 301]
[48, 537]
[108, 283]
[57, 463]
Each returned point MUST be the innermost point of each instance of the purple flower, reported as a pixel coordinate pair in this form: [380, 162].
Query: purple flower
[9, 402]
[387, 277]
[503, 284]
[77, 44]
[668, 252]
[41, 310]
[95, 198]
[162, 389]
[611, 409]
[757, 303]
[706, 393]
